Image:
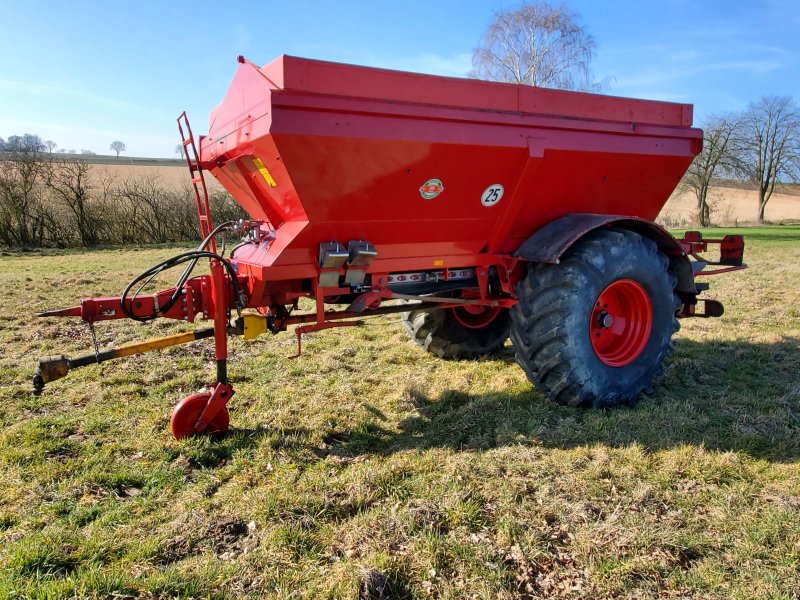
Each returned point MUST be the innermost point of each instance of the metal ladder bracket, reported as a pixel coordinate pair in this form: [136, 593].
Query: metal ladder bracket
[197, 178]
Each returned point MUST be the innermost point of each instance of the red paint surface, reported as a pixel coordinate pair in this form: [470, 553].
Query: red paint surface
[349, 148]
[627, 306]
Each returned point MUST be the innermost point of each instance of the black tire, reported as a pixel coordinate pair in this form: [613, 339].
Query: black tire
[551, 322]
[440, 333]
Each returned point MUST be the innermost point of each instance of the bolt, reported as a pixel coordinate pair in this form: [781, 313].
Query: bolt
[605, 320]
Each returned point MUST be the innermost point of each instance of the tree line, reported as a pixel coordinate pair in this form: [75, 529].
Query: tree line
[544, 44]
[51, 200]
[760, 145]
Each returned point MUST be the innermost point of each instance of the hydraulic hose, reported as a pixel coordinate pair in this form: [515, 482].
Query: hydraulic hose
[190, 257]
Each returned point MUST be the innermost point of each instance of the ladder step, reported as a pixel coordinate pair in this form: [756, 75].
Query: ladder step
[196, 173]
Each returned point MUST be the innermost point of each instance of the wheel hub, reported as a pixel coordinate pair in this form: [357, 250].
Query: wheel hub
[474, 316]
[621, 323]
[605, 320]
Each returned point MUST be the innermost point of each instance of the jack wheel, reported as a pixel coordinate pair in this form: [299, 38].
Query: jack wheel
[188, 410]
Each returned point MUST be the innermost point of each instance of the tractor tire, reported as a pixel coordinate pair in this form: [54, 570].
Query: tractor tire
[456, 333]
[594, 329]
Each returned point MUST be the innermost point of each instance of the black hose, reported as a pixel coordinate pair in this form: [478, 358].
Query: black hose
[185, 275]
[191, 257]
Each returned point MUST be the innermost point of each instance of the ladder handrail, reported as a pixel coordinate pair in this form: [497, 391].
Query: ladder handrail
[198, 181]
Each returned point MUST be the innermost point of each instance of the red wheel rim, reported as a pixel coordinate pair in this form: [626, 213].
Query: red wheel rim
[188, 410]
[476, 317]
[621, 322]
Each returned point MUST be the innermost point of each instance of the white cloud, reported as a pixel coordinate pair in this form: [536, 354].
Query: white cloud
[241, 38]
[457, 65]
[53, 92]
[657, 76]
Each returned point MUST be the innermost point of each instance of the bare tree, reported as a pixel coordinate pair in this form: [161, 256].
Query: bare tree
[69, 182]
[179, 149]
[771, 142]
[27, 144]
[144, 199]
[21, 202]
[537, 44]
[720, 154]
[117, 147]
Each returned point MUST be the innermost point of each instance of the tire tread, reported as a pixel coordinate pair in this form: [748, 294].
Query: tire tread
[540, 320]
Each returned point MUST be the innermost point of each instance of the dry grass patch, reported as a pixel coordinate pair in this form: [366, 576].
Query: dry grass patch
[367, 468]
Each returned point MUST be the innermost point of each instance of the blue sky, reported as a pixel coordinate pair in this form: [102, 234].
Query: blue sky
[86, 73]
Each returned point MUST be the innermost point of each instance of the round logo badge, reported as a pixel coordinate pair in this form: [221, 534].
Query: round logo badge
[431, 188]
[492, 194]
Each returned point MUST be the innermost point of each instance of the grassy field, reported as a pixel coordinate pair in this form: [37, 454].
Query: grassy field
[368, 464]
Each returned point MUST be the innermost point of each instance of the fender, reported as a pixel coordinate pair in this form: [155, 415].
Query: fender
[550, 242]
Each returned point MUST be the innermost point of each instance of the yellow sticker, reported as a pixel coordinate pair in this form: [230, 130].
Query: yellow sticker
[263, 170]
[438, 262]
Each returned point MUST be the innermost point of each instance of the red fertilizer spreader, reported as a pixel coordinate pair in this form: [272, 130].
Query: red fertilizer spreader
[478, 211]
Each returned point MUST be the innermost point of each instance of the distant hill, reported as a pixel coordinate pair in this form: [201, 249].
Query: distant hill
[782, 188]
[732, 204]
[110, 159]
[171, 171]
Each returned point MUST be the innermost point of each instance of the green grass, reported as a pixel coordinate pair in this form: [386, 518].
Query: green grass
[765, 235]
[367, 460]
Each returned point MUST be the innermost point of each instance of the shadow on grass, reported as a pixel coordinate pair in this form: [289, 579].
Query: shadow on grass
[214, 451]
[737, 396]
